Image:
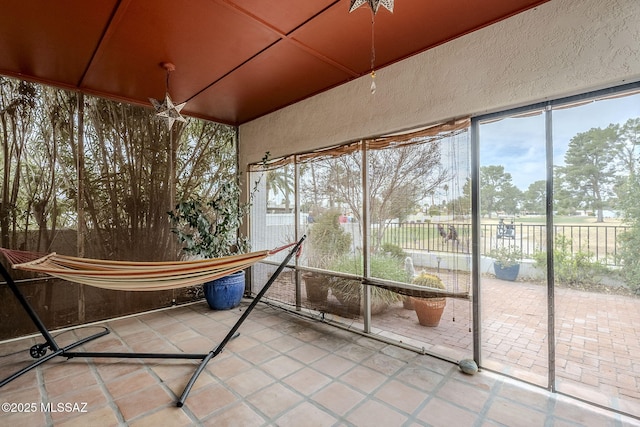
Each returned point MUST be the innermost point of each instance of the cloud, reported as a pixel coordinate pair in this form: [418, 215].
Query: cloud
[518, 144]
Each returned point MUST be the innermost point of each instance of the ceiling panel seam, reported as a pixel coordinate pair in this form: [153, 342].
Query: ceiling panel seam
[105, 31]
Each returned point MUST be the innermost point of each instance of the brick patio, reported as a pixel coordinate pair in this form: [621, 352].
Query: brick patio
[597, 338]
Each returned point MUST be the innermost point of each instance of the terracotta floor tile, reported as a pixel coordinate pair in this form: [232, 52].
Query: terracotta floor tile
[167, 369]
[127, 326]
[144, 400]
[307, 381]
[274, 400]
[355, 352]
[249, 381]
[8, 418]
[91, 398]
[281, 366]
[363, 379]
[285, 343]
[514, 414]
[178, 383]
[401, 396]
[132, 383]
[332, 365]
[242, 343]
[196, 345]
[171, 416]
[103, 417]
[384, 364]
[208, 400]
[238, 414]
[73, 381]
[227, 367]
[258, 354]
[420, 378]
[440, 413]
[466, 395]
[306, 415]
[376, 414]
[307, 353]
[60, 368]
[338, 398]
[266, 335]
[109, 370]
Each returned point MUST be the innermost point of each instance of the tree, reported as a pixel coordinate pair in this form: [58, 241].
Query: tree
[565, 199]
[535, 197]
[591, 166]
[399, 178]
[17, 106]
[461, 205]
[630, 239]
[497, 192]
[281, 181]
[629, 139]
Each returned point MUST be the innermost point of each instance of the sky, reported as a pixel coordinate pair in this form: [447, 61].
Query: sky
[518, 144]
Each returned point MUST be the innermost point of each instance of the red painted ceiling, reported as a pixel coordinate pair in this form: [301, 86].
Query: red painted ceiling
[235, 60]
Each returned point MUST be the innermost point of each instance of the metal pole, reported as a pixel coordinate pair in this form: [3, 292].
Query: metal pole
[232, 333]
[475, 239]
[550, 242]
[366, 291]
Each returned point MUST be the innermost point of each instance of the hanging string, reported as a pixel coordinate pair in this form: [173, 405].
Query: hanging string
[373, 52]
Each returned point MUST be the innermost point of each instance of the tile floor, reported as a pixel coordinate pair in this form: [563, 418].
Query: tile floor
[283, 370]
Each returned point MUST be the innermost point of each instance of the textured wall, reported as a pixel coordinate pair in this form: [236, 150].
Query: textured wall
[561, 48]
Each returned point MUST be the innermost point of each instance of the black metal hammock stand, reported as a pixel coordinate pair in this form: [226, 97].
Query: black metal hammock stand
[39, 351]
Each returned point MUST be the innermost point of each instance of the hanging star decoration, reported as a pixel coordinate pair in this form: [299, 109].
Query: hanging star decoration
[167, 110]
[373, 4]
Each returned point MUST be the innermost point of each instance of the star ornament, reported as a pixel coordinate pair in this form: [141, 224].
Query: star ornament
[373, 4]
[168, 111]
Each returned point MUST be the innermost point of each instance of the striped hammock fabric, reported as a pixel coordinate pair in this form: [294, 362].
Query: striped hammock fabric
[134, 276]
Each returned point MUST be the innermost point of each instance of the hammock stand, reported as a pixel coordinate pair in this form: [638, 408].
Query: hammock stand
[38, 351]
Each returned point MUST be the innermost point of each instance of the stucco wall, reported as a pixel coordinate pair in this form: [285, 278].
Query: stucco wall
[561, 48]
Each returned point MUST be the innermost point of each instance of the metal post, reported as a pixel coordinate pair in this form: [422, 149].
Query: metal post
[366, 291]
[475, 238]
[550, 242]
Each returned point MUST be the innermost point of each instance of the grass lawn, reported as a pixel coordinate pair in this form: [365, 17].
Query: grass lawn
[557, 220]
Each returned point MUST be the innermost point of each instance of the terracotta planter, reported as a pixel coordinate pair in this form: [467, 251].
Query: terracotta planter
[316, 288]
[407, 303]
[429, 310]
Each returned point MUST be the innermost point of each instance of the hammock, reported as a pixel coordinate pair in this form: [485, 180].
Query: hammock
[141, 276]
[134, 276]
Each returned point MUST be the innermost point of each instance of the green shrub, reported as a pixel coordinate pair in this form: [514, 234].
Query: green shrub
[507, 256]
[571, 268]
[394, 251]
[630, 255]
[327, 240]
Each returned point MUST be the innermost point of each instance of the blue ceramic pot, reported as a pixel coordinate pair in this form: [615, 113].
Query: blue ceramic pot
[506, 273]
[225, 293]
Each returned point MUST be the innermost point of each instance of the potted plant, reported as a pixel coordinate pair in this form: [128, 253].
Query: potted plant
[326, 241]
[209, 229]
[429, 310]
[506, 264]
[349, 292]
